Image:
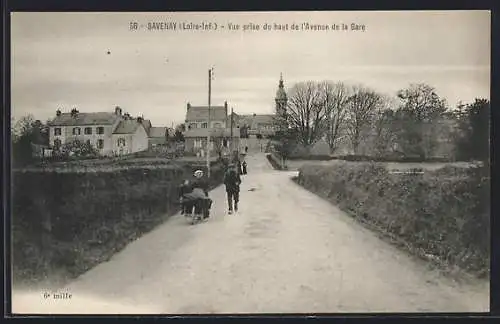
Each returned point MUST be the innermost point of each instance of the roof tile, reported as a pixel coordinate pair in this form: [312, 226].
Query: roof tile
[201, 113]
[128, 126]
[157, 131]
[82, 119]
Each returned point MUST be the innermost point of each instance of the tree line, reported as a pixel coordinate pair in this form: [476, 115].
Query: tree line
[413, 122]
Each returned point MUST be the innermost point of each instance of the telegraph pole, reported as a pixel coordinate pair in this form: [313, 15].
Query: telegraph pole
[232, 145]
[208, 125]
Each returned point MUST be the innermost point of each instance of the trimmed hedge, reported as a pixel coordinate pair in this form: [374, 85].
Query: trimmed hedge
[313, 157]
[366, 158]
[444, 213]
[92, 215]
[274, 160]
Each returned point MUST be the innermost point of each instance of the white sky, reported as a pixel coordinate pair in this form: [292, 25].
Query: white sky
[60, 60]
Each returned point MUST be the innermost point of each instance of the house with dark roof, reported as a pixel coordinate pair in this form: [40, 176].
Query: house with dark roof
[197, 116]
[111, 133]
[158, 136]
[262, 124]
[197, 128]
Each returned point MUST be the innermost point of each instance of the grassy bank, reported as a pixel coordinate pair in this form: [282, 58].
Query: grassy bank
[442, 214]
[71, 221]
[275, 162]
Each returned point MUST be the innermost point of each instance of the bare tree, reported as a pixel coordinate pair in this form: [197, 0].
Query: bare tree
[306, 113]
[334, 98]
[421, 102]
[362, 105]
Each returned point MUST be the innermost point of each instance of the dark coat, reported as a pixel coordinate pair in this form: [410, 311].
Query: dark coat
[185, 189]
[232, 181]
[195, 189]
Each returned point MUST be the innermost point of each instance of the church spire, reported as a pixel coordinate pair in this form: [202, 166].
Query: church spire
[281, 80]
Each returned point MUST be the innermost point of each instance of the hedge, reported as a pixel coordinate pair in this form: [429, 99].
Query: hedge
[274, 160]
[444, 213]
[91, 214]
[367, 158]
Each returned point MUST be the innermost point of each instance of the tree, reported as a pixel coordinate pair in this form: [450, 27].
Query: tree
[219, 141]
[383, 131]
[178, 136]
[23, 126]
[285, 141]
[419, 116]
[421, 102]
[79, 149]
[334, 98]
[25, 132]
[473, 131]
[306, 113]
[362, 105]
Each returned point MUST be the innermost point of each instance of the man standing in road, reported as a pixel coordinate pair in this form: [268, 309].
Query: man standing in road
[232, 182]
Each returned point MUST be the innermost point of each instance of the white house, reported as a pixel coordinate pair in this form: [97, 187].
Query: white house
[130, 136]
[100, 129]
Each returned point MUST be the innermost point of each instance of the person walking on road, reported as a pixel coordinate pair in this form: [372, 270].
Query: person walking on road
[239, 166]
[232, 182]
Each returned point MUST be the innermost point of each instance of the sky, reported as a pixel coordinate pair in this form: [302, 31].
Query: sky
[61, 60]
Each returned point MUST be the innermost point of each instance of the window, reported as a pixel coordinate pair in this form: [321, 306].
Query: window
[192, 125]
[76, 131]
[100, 130]
[88, 130]
[204, 125]
[100, 144]
[57, 131]
[121, 142]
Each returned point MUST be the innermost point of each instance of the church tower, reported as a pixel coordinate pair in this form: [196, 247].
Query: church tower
[281, 99]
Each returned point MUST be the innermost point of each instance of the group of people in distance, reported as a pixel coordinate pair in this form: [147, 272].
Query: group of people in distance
[193, 193]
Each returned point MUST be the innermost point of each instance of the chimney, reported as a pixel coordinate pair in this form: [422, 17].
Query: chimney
[188, 106]
[58, 112]
[74, 112]
[139, 119]
[118, 111]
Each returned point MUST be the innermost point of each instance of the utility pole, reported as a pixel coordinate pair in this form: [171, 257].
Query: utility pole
[208, 125]
[232, 145]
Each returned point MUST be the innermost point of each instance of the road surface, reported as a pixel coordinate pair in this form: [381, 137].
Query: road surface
[285, 251]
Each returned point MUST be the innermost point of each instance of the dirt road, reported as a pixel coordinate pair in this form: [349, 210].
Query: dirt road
[286, 250]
